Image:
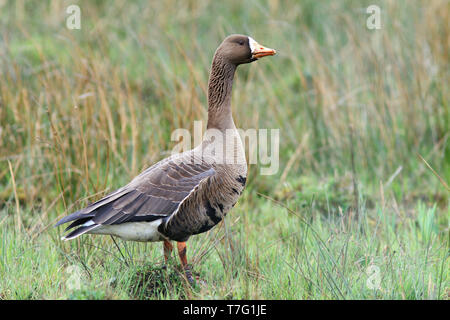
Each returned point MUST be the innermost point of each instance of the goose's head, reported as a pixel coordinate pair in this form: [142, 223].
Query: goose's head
[239, 49]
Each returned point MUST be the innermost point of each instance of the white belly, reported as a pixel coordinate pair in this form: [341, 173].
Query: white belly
[135, 231]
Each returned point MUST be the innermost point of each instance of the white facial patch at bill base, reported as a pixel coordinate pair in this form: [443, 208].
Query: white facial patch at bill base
[253, 44]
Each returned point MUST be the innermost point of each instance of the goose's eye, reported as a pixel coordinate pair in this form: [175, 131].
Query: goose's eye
[241, 42]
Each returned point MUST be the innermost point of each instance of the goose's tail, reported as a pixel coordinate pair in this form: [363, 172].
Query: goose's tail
[81, 220]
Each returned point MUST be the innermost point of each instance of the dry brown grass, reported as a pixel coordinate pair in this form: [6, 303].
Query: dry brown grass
[84, 111]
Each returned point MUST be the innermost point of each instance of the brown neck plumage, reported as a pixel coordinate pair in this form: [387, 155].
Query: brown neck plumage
[219, 93]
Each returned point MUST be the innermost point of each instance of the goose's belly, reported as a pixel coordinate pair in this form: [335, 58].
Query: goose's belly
[135, 231]
[217, 203]
[215, 196]
[206, 207]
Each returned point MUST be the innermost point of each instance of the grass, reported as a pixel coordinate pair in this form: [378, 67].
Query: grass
[364, 154]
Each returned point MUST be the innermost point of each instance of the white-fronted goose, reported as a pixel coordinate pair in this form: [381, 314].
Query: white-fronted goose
[187, 193]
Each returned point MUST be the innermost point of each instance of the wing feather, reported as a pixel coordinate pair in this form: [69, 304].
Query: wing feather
[156, 193]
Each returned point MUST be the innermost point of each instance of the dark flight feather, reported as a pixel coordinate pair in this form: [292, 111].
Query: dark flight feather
[154, 194]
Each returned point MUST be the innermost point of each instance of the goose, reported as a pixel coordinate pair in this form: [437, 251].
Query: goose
[187, 193]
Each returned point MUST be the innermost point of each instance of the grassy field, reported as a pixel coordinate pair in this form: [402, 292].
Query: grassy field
[359, 208]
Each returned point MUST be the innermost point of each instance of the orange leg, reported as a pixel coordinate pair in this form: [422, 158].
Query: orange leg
[182, 254]
[167, 250]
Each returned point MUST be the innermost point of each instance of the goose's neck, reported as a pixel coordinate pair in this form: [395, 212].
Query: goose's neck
[219, 94]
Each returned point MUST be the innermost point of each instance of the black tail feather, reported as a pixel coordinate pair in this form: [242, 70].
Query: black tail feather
[77, 223]
[79, 231]
[74, 216]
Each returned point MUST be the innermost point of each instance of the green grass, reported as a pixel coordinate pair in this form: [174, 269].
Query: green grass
[251, 256]
[83, 111]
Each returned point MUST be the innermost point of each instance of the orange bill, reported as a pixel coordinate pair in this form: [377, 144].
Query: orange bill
[259, 51]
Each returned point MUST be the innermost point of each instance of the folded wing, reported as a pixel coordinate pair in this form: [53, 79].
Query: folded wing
[156, 193]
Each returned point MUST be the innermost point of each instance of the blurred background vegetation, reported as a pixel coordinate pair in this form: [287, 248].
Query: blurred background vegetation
[84, 111]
